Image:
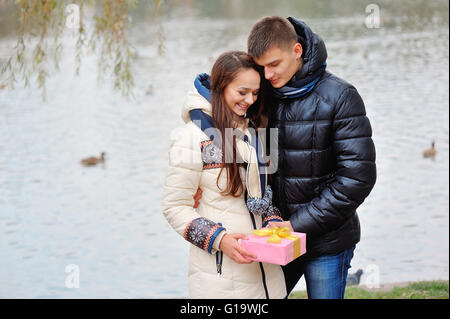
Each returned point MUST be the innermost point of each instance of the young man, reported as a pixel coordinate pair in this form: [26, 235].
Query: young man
[326, 164]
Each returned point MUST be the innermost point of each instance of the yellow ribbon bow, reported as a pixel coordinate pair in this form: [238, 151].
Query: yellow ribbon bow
[275, 234]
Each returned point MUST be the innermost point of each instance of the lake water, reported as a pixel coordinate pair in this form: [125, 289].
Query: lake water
[107, 219]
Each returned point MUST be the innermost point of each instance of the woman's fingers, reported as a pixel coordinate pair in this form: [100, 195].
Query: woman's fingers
[273, 224]
[240, 252]
[281, 224]
[239, 236]
[244, 252]
[241, 249]
[236, 252]
[239, 258]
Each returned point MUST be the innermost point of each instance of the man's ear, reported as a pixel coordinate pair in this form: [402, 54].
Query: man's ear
[298, 50]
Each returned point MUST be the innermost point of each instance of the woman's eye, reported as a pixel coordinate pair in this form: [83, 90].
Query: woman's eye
[242, 93]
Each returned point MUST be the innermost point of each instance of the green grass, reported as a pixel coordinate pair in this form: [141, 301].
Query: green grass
[437, 289]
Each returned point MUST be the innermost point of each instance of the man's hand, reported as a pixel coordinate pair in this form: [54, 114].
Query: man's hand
[282, 224]
[230, 246]
[197, 197]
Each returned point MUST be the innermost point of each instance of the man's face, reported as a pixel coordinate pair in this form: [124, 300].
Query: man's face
[280, 65]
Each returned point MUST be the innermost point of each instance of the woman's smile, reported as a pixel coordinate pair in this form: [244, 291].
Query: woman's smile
[242, 107]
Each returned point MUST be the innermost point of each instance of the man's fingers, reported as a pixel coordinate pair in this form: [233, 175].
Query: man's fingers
[197, 197]
[198, 194]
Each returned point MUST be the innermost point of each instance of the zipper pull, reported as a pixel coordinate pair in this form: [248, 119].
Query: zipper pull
[219, 259]
[219, 270]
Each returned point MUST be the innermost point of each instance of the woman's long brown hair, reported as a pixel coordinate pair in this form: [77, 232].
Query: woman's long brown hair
[224, 71]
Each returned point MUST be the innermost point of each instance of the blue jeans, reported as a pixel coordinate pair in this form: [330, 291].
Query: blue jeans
[325, 276]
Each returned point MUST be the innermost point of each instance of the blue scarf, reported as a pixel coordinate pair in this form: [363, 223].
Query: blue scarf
[296, 88]
[203, 85]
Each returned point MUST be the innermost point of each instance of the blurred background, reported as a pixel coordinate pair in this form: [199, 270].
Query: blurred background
[107, 219]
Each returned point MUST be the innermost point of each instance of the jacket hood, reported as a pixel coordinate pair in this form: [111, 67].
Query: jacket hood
[314, 50]
[198, 97]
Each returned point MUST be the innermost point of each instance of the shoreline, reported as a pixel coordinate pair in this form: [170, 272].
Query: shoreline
[401, 284]
[421, 289]
[386, 286]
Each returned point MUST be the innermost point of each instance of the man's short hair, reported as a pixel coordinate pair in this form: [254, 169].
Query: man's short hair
[268, 32]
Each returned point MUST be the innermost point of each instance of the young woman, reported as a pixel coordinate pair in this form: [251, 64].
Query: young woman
[218, 266]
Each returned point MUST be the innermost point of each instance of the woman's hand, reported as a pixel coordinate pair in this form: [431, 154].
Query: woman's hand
[230, 246]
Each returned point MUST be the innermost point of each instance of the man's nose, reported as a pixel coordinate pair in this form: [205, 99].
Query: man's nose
[268, 73]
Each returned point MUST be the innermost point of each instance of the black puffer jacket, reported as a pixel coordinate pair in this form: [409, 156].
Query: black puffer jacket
[326, 164]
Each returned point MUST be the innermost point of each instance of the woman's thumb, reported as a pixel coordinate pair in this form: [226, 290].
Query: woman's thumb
[239, 236]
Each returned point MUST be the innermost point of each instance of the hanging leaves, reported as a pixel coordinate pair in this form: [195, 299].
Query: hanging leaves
[42, 23]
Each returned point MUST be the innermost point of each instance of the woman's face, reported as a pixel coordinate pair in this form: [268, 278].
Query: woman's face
[243, 91]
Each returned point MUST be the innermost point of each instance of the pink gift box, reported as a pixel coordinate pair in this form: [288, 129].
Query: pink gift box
[280, 254]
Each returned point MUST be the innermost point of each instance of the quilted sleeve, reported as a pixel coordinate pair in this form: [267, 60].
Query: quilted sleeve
[355, 170]
[182, 181]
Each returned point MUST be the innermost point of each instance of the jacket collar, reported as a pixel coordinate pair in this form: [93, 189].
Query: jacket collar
[314, 50]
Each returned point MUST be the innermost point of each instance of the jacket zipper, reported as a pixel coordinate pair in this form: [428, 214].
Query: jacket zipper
[313, 151]
[282, 181]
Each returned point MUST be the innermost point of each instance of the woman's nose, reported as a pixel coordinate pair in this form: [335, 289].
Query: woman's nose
[250, 99]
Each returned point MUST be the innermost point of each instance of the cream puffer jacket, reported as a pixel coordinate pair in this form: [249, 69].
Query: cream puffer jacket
[190, 168]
